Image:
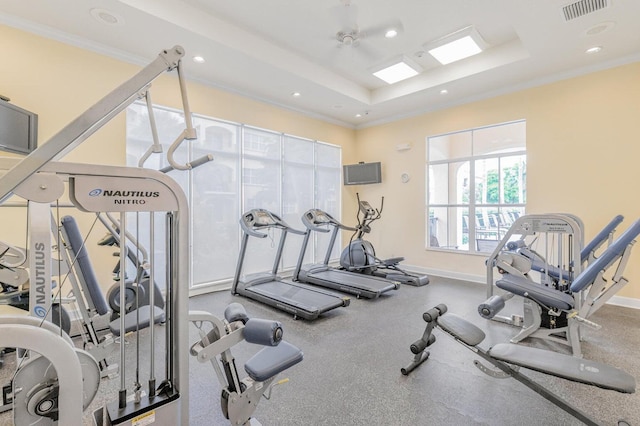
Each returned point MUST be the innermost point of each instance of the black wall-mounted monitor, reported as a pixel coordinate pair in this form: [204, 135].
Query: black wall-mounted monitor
[362, 173]
[18, 129]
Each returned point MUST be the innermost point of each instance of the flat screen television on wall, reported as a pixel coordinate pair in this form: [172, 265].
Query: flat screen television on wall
[18, 129]
[362, 173]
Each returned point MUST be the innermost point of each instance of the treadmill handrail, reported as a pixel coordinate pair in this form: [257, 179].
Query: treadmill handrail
[249, 224]
[310, 220]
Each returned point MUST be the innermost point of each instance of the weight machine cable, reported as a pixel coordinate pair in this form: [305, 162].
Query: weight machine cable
[62, 282]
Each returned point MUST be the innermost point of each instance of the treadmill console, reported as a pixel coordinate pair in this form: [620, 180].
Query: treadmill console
[318, 216]
[260, 218]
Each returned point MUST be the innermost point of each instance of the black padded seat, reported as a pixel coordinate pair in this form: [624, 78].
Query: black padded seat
[461, 329]
[143, 314]
[565, 366]
[272, 360]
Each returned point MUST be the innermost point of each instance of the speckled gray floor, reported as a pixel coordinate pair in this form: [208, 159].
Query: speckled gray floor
[352, 359]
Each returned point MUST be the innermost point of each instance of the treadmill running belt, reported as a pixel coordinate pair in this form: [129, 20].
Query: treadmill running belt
[296, 295]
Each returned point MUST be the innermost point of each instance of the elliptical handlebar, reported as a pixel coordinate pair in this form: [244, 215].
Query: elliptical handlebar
[369, 214]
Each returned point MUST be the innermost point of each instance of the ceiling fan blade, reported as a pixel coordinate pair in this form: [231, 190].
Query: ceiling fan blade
[381, 29]
[346, 15]
[366, 51]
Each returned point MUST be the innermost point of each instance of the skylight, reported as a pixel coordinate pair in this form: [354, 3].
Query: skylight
[396, 72]
[456, 50]
[456, 46]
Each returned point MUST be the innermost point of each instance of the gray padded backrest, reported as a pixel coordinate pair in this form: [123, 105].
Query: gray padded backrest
[610, 255]
[85, 267]
[461, 329]
[601, 237]
[565, 366]
[525, 287]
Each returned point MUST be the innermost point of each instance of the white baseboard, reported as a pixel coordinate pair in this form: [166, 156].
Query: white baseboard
[627, 302]
[454, 275]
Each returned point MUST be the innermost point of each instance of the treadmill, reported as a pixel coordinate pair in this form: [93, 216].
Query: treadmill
[301, 300]
[367, 286]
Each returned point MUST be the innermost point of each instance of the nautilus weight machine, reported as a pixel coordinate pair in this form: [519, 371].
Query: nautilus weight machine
[41, 180]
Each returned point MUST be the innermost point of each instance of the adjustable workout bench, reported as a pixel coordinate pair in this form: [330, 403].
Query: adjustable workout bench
[505, 356]
[240, 398]
[588, 292]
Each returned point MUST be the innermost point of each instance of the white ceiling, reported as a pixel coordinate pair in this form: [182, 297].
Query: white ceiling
[268, 49]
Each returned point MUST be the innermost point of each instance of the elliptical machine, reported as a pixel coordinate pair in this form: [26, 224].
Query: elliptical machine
[360, 256]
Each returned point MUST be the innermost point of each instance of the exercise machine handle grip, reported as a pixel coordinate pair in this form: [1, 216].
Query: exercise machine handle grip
[191, 165]
[585, 321]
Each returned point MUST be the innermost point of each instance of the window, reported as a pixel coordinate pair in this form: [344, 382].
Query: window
[476, 186]
[252, 168]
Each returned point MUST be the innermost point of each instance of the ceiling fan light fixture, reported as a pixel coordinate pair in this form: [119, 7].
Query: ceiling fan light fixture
[391, 33]
[456, 46]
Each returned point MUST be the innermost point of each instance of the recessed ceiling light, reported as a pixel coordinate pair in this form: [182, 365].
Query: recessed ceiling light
[599, 28]
[198, 59]
[107, 17]
[456, 46]
[399, 70]
[391, 33]
[444, 91]
[358, 115]
[296, 94]
[594, 49]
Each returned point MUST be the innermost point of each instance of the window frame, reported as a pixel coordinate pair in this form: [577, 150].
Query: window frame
[135, 143]
[473, 206]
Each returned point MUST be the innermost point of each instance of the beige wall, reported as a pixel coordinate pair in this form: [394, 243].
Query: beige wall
[581, 141]
[59, 82]
[582, 149]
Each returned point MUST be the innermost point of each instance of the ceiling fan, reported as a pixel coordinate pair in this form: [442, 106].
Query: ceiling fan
[350, 33]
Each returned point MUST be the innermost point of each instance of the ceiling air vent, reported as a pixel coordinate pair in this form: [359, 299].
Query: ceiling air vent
[583, 7]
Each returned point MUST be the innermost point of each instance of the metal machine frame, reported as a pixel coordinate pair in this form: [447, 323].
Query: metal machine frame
[39, 179]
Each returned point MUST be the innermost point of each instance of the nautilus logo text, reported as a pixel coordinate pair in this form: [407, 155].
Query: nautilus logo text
[40, 311]
[124, 196]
